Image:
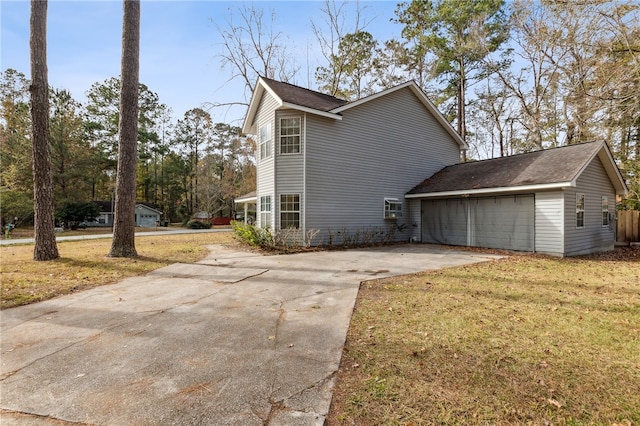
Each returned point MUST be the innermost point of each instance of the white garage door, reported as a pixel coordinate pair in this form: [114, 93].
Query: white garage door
[505, 222]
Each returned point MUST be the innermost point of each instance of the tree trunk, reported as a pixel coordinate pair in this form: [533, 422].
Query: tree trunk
[123, 244]
[462, 119]
[44, 226]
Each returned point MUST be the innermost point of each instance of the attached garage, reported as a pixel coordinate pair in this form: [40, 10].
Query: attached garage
[502, 222]
[554, 201]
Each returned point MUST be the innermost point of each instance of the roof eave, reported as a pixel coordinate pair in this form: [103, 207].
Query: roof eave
[612, 170]
[486, 191]
[248, 126]
[243, 200]
[321, 113]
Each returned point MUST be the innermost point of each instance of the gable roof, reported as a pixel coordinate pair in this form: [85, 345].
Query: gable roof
[290, 96]
[545, 169]
[298, 98]
[108, 206]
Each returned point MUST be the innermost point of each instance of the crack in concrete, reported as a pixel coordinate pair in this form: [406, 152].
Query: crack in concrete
[45, 417]
[250, 276]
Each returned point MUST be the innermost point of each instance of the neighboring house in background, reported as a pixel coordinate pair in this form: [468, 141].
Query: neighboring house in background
[146, 216]
[346, 169]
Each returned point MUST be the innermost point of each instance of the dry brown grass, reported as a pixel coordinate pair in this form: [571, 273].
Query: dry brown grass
[523, 340]
[84, 264]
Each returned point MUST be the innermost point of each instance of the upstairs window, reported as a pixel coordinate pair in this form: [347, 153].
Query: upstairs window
[264, 136]
[289, 211]
[265, 211]
[605, 211]
[392, 208]
[579, 210]
[290, 135]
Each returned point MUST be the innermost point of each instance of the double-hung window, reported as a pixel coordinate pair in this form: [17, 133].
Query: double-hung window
[289, 211]
[579, 210]
[265, 211]
[605, 211]
[392, 208]
[264, 137]
[290, 135]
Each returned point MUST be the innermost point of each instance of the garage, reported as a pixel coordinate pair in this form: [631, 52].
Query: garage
[501, 222]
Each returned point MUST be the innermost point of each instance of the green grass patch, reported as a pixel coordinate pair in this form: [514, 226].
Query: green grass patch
[84, 264]
[522, 340]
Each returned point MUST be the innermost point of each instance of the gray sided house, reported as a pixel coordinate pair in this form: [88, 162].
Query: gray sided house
[558, 201]
[145, 215]
[346, 171]
[340, 168]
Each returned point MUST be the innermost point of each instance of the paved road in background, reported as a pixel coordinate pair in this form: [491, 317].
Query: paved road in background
[61, 237]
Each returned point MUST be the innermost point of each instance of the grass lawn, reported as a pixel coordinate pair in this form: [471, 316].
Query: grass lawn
[84, 264]
[523, 340]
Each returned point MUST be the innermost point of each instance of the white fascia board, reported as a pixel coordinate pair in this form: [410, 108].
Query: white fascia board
[612, 170]
[371, 97]
[288, 105]
[502, 190]
[248, 126]
[253, 199]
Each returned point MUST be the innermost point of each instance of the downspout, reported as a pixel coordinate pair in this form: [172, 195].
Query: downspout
[468, 205]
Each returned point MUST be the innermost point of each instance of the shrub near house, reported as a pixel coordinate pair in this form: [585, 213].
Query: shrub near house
[72, 215]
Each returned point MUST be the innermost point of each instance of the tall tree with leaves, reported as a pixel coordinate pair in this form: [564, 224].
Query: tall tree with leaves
[193, 134]
[123, 244]
[456, 35]
[45, 237]
[342, 44]
[346, 76]
[16, 172]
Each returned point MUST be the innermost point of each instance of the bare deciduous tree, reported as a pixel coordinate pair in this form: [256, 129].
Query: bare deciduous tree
[45, 238]
[251, 48]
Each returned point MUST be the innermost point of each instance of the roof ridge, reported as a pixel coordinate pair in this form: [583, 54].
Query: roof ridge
[532, 152]
[267, 79]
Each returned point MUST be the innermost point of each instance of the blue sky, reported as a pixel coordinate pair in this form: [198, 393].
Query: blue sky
[179, 45]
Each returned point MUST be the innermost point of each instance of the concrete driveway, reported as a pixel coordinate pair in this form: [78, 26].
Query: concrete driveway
[236, 339]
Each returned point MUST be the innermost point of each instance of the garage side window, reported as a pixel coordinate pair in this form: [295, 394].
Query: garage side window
[265, 211]
[579, 210]
[392, 208]
[289, 211]
[605, 211]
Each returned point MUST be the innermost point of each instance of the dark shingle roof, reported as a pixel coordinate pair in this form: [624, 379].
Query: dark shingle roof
[535, 168]
[304, 97]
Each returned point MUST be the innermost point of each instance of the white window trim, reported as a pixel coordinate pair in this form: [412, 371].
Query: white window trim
[580, 210]
[299, 134]
[264, 212]
[265, 143]
[290, 211]
[392, 214]
[604, 201]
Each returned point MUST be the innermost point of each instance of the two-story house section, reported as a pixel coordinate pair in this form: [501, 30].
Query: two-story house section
[342, 168]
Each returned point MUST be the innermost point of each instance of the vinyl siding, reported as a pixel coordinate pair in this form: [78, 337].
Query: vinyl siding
[593, 237]
[379, 150]
[289, 167]
[265, 181]
[549, 223]
[414, 219]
